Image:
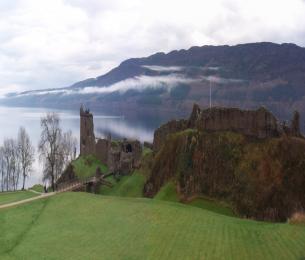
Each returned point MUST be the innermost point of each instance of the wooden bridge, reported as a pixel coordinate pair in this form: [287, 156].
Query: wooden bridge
[79, 183]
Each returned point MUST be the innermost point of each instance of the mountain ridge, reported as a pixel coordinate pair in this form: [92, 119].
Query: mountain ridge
[159, 58]
[167, 84]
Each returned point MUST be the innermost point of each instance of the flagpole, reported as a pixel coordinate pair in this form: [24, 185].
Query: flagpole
[210, 95]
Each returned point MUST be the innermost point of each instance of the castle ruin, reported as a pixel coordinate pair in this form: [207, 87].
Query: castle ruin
[258, 123]
[121, 156]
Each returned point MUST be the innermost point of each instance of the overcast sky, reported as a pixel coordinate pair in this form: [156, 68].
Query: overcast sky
[54, 43]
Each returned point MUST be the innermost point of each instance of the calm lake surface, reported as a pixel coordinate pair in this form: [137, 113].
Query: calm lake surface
[12, 118]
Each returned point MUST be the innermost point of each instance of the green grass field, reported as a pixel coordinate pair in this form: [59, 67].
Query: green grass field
[8, 197]
[87, 226]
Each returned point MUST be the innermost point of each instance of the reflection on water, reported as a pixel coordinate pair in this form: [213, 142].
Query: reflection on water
[12, 118]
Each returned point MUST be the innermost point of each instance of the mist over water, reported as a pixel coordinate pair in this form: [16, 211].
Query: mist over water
[12, 118]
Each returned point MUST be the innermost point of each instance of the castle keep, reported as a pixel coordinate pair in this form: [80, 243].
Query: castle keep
[121, 156]
[87, 137]
[258, 123]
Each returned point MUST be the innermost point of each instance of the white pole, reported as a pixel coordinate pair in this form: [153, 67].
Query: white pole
[210, 95]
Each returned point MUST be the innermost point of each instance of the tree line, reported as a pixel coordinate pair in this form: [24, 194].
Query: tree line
[56, 149]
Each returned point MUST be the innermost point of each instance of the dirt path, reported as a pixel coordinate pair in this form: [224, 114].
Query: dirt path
[34, 191]
[42, 196]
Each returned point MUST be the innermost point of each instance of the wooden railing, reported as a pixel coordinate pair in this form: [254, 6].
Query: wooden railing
[75, 184]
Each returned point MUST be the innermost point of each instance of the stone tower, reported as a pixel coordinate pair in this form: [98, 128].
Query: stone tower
[87, 138]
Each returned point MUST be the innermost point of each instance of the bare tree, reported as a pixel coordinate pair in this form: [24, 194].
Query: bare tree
[2, 168]
[49, 145]
[55, 148]
[69, 147]
[26, 154]
[11, 161]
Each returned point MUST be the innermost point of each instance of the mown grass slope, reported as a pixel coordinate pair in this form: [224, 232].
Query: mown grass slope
[86, 226]
[126, 186]
[8, 197]
[15, 224]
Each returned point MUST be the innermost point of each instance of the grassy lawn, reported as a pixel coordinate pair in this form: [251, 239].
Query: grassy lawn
[85, 166]
[87, 226]
[8, 197]
[127, 186]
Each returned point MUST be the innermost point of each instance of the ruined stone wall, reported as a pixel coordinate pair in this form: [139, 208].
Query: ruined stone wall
[87, 138]
[136, 150]
[258, 123]
[114, 160]
[124, 156]
[102, 148]
[126, 163]
[169, 128]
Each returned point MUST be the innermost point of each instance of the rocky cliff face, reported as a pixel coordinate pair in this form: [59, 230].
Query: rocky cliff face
[246, 157]
[262, 179]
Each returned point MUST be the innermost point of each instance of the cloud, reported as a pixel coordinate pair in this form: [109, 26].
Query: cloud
[139, 83]
[163, 68]
[222, 81]
[54, 43]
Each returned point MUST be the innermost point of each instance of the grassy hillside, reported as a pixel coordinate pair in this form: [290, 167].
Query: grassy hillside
[212, 205]
[61, 227]
[8, 197]
[132, 185]
[168, 192]
[85, 166]
[126, 186]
